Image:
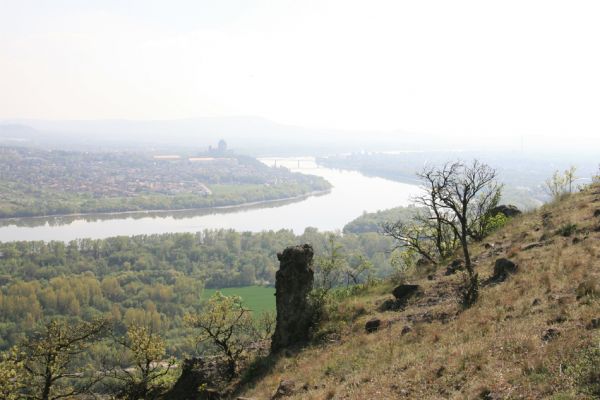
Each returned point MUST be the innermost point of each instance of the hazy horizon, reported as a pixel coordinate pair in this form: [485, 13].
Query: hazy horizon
[466, 69]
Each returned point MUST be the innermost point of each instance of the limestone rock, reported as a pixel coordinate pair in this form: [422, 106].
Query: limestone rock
[293, 283]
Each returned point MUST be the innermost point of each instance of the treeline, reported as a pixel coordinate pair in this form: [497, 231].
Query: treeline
[372, 222]
[151, 280]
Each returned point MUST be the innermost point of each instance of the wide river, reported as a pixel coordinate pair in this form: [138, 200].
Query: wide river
[352, 194]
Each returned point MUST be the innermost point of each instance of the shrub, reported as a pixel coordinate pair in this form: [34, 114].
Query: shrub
[567, 230]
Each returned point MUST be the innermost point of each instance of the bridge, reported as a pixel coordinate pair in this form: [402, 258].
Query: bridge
[295, 163]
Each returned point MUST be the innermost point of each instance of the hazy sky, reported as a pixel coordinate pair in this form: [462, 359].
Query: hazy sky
[478, 67]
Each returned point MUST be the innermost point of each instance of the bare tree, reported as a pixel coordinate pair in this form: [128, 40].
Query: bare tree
[458, 199]
[468, 191]
[430, 233]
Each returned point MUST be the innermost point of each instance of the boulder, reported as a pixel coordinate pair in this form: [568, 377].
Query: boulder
[373, 325]
[508, 210]
[405, 292]
[391, 305]
[285, 388]
[503, 268]
[293, 284]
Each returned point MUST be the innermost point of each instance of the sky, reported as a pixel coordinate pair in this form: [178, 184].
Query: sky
[482, 68]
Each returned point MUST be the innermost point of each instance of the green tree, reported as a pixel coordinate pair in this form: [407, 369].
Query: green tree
[329, 267]
[51, 357]
[142, 368]
[12, 375]
[226, 324]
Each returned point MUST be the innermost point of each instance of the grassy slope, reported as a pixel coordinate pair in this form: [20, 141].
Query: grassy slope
[493, 350]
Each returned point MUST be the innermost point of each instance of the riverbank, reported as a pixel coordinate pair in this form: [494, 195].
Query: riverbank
[351, 195]
[144, 213]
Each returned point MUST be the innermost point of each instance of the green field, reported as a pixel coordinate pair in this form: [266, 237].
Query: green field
[257, 298]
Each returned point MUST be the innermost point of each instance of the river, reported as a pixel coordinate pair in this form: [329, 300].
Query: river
[352, 194]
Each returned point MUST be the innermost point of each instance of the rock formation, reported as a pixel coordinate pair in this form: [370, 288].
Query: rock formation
[293, 283]
[507, 210]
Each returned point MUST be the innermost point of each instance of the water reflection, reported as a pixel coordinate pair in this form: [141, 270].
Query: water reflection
[52, 221]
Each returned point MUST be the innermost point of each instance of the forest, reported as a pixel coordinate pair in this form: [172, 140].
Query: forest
[153, 280]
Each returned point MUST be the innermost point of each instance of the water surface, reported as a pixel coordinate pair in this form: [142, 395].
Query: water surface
[352, 194]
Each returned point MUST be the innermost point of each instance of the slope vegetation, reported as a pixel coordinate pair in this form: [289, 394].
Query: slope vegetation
[534, 335]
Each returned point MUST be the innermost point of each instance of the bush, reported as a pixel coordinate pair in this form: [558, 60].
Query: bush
[586, 371]
[567, 230]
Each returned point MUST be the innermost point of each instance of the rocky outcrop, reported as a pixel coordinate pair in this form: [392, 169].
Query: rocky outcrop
[507, 210]
[293, 283]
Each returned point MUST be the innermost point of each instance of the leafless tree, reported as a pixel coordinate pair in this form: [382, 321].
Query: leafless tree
[457, 198]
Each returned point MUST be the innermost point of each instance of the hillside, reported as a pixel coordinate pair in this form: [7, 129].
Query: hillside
[535, 335]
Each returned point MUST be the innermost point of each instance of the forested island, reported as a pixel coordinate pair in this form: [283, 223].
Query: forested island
[36, 182]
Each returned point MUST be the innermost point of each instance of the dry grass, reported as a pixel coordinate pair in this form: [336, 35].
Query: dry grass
[495, 349]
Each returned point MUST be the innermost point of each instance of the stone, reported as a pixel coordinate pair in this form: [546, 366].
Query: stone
[508, 210]
[454, 266]
[550, 334]
[372, 325]
[488, 246]
[503, 268]
[391, 305]
[531, 245]
[285, 388]
[293, 284]
[405, 292]
[594, 324]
